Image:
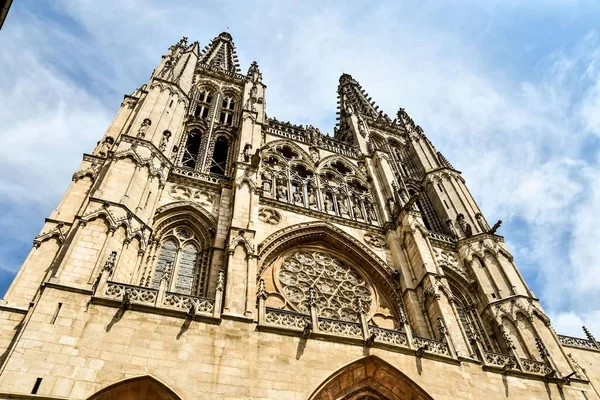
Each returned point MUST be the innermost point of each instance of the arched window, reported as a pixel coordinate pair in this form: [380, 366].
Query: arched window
[179, 259]
[166, 258]
[203, 104]
[218, 164]
[192, 147]
[187, 265]
[227, 109]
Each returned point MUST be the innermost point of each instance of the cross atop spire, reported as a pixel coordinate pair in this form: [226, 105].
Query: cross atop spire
[220, 54]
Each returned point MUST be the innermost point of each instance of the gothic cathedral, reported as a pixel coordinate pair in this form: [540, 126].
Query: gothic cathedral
[207, 251]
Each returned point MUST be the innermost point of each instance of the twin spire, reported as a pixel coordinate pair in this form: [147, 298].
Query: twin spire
[220, 55]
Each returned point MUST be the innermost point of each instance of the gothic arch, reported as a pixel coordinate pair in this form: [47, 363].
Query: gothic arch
[325, 162]
[272, 146]
[138, 388]
[369, 375]
[324, 233]
[187, 211]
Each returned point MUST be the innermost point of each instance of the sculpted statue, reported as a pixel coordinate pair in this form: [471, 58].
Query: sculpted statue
[312, 198]
[164, 141]
[282, 193]
[451, 228]
[356, 209]
[313, 135]
[328, 204]
[266, 182]
[166, 71]
[464, 225]
[247, 152]
[297, 197]
[105, 146]
[342, 206]
[142, 131]
[370, 211]
[481, 222]
[314, 154]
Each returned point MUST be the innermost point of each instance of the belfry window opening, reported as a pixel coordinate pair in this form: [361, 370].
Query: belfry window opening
[227, 109]
[218, 164]
[192, 147]
[203, 104]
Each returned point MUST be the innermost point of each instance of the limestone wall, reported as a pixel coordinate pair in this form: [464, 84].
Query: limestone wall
[91, 346]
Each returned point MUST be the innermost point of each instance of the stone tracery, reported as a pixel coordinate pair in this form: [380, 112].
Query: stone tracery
[334, 186]
[340, 291]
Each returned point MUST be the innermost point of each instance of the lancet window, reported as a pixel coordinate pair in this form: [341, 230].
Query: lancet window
[180, 262]
[218, 164]
[191, 149]
[203, 103]
[227, 111]
[335, 187]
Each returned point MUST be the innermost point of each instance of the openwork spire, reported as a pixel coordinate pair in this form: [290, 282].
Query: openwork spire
[353, 100]
[220, 54]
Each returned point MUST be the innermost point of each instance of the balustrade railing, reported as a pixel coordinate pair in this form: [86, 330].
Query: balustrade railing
[185, 302]
[499, 360]
[535, 367]
[133, 294]
[576, 342]
[432, 346]
[159, 299]
[389, 336]
[287, 319]
[342, 328]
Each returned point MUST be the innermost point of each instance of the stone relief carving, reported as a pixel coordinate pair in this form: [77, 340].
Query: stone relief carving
[374, 240]
[269, 215]
[202, 196]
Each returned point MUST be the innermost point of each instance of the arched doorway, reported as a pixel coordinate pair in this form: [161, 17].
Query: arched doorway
[369, 378]
[138, 388]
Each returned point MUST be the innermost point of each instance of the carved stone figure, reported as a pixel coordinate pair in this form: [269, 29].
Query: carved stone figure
[297, 197]
[104, 148]
[370, 211]
[451, 229]
[314, 154]
[481, 222]
[282, 193]
[247, 154]
[313, 135]
[404, 196]
[328, 204]
[342, 207]
[356, 209]
[164, 141]
[143, 128]
[174, 153]
[312, 198]
[464, 225]
[165, 72]
[266, 183]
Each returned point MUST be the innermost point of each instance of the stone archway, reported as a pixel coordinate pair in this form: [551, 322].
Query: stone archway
[369, 378]
[138, 388]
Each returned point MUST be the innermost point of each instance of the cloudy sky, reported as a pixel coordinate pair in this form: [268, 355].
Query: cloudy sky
[508, 90]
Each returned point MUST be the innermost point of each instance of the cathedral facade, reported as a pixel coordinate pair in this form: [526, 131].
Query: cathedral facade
[206, 251]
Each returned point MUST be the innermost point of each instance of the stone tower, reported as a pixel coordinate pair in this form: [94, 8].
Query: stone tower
[206, 251]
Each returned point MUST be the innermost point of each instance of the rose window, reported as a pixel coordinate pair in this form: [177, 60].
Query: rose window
[340, 291]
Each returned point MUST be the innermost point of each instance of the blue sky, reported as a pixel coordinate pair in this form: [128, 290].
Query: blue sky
[509, 92]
